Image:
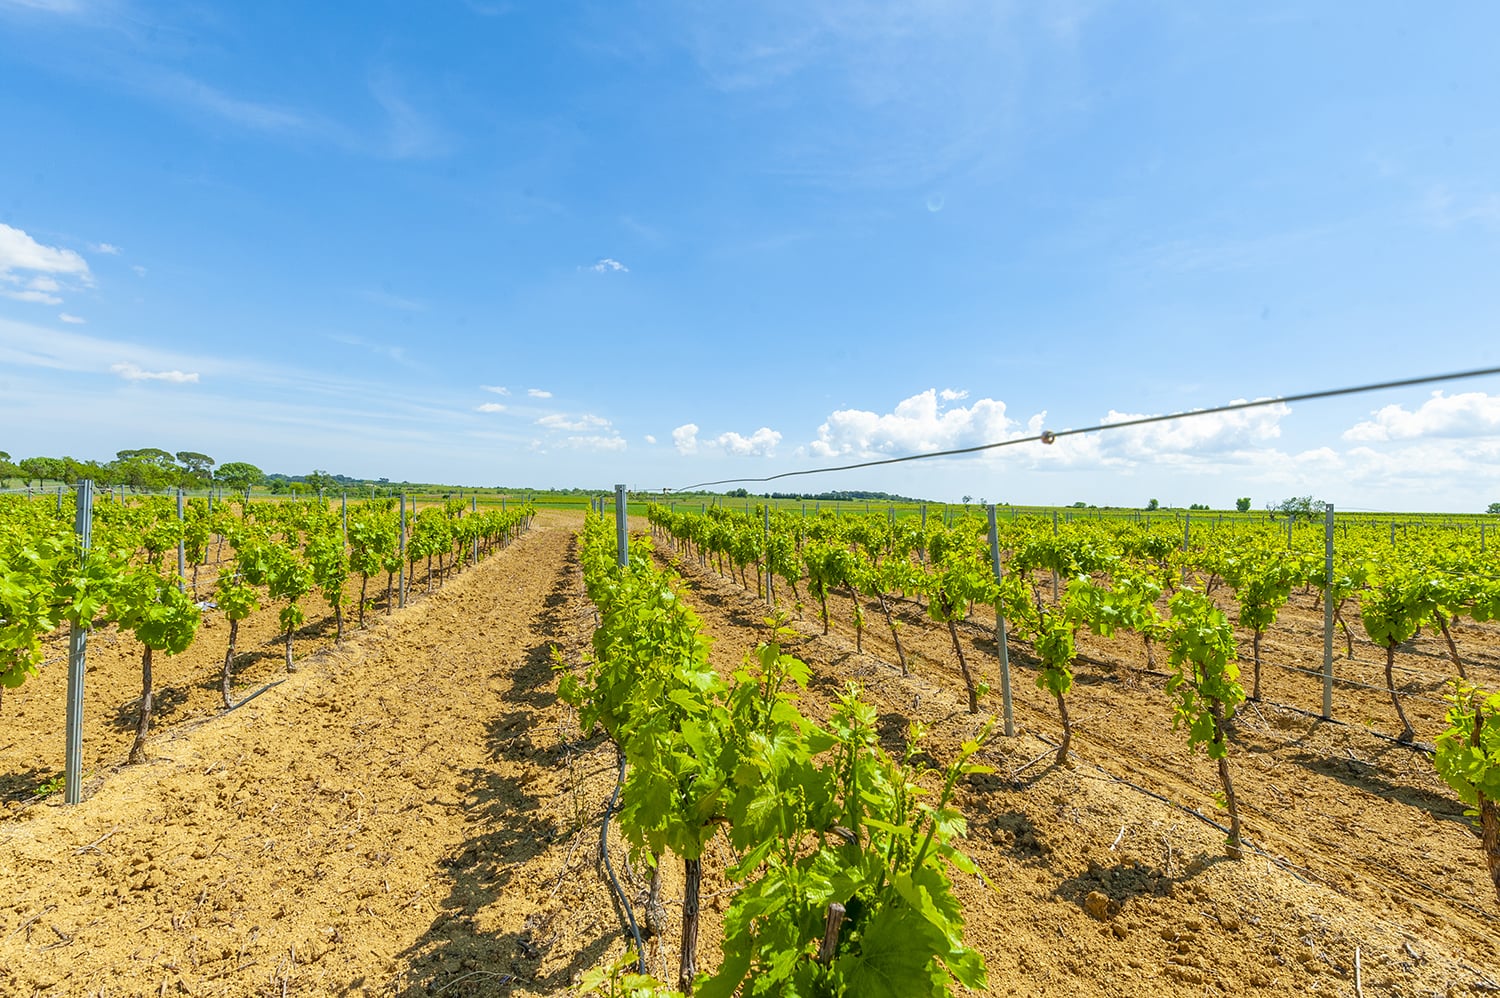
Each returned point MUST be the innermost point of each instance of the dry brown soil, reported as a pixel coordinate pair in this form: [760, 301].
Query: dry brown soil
[414, 813]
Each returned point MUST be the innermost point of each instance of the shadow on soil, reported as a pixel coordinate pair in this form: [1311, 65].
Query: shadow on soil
[511, 827]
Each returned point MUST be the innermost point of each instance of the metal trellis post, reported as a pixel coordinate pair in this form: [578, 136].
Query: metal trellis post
[1005, 701]
[83, 526]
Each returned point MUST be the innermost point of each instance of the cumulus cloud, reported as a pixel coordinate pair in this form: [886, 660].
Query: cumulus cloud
[650, 439]
[573, 424]
[497, 389]
[761, 443]
[18, 251]
[72, 319]
[490, 407]
[1209, 433]
[133, 372]
[109, 249]
[608, 265]
[1468, 414]
[952, 394]
[538, 393]
[920, 423]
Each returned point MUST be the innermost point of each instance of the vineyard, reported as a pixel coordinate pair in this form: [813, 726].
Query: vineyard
[764, 753]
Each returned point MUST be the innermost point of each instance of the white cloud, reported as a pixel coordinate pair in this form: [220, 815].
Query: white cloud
[1468, 414]
[581, 424]
[916, 424]
[650, 439]
[497, 389]
[952, 394]
[761, 443]
[18, 251]
[75, 320]
[538, 393]
[490, 407]
[43, 284]
[1210, 433]
[133, 372]
[139, 270]
[609, 266]
[595, 442]
[35, 296]
[108, 249]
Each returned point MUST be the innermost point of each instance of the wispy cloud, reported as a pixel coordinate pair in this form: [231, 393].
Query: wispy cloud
[608, 265]
[497, 389]
[490, 407]
[72, 319]
[573, 424]
[390, 351]
[538, 393]
[409, 133]
[108, 249]
[1443, 208]
[388, 300]
[134, 372]
[40, 297]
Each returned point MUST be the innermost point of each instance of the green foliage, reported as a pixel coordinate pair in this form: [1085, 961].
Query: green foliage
[1468, 767]
[1202, 651]
[162, 617]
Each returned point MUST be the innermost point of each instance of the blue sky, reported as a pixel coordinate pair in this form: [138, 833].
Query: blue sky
[558, 244]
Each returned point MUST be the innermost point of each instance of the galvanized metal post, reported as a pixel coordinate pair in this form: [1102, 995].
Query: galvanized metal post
[474, 508]
[59, 498]
[1005, 701]
[622, 528]
[344, 513]
[181, 548]
[1187, 533]
[766, 533]
[1328, 613]
[83, 526]
[401, 547]
[1054, 571]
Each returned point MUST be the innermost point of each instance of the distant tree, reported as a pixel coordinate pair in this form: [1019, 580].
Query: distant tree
[197, 465]
[150, 455]
[1080, 505]
[1243, 504]
[239, 475]
[40, 468]
[7, 469]
[968, 499]
[319, 481]
[1300, 507]
[1153, 504]
[1494, 508]
[1199, 505]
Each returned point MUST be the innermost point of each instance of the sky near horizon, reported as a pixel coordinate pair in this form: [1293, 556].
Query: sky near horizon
[661, 243]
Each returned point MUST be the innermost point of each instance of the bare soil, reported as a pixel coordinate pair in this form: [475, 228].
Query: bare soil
[414, 813]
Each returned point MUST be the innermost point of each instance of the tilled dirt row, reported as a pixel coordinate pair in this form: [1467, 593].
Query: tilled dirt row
[395, 819]
[1104, 889]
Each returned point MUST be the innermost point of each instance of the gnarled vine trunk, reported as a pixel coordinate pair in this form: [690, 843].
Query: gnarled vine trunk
[143, 725]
